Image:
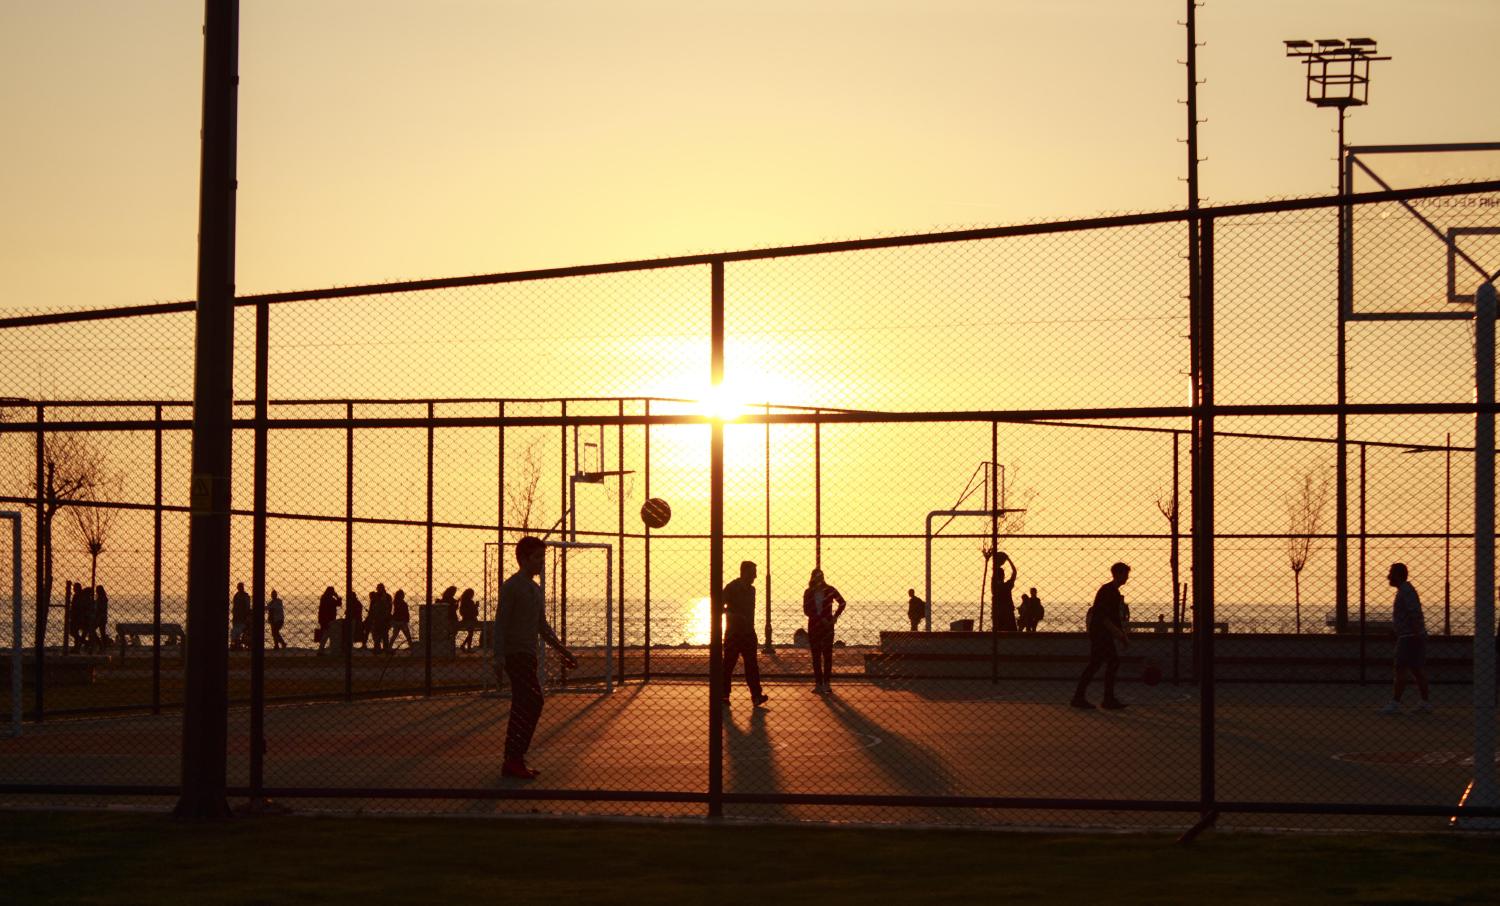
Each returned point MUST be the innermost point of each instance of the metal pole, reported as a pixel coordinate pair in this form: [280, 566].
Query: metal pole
[500, 521]
[258, 560]
[927, 576]
[620, 530]
[1362, 626]
[15, 622]
[994, 501]
[1341, 452]
[818, 491]
[716, 559]
[1483, 792]
[428, 624]
[564, 498]
[1176, 542]
[1203, 527]
[156, 572]
[205, 719]
[16, 640]
[349, 621]
[770, 647]
[43, 587]
[646, 570]
[1447, 533]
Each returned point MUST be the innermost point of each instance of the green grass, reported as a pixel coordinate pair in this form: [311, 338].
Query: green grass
[49, 857]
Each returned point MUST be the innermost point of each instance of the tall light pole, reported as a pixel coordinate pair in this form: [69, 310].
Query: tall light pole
[1338, 76]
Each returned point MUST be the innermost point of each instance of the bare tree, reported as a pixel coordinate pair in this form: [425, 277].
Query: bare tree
[1304, 506]
[521, 492]
[91, 523]
[1168, 504]
[73, 466]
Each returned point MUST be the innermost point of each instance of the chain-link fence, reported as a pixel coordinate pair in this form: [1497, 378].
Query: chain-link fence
[959, 434]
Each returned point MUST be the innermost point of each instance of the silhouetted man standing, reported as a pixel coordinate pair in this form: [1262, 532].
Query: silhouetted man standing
[916, 609]
[1106, 625]
[1411, 639]
[520, 620]
[739, 632]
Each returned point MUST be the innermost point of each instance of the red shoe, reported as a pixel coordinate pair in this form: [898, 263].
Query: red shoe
[518, 770]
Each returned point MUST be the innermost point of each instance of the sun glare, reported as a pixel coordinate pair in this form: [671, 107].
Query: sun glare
[724, 403]
[698, 622]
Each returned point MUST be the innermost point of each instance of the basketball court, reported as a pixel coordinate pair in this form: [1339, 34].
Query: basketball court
[1283, 743]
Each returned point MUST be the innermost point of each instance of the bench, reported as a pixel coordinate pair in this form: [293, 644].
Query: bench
[1372, 627]
[171, 633]
[1164, 626]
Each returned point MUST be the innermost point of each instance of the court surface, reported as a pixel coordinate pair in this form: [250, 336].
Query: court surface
[1282, 743]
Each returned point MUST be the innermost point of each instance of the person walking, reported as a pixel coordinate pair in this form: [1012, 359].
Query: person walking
[400, 619]
[328, 615]
[520, 621]
[738, 603]
[1003, 616]
[276, 618]
[1411, 641]
[1106, 625]
[379, 618]
[239, 618]
[916, 609]
[817, 603]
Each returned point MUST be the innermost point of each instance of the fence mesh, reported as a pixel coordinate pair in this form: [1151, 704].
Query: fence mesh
[960, 437]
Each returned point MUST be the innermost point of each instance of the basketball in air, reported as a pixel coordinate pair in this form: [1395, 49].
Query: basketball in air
[1150, 674]
[656, 513]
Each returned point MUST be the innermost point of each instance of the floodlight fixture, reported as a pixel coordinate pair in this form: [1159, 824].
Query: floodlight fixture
[1338, 69]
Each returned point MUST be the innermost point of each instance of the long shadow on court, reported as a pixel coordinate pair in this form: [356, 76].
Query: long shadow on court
[751, 763]
[910, 768]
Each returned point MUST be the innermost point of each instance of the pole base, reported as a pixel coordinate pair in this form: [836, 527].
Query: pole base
[1473, 822]
[260, 805]
[1205, 822]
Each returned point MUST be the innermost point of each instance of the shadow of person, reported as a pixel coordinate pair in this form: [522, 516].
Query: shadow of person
[750, 764]
[909, 767]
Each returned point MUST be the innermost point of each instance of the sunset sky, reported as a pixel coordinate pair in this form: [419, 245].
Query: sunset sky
[387, 140]
[402, 140]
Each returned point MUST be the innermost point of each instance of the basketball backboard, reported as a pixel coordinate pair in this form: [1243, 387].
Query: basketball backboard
[1426, 255]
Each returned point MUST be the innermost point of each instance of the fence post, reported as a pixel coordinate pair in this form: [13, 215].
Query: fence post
[1483, 792]
[770, 647]
[620, 531]
[156, 572]
[349, 611]
[205, 721]
[716, 560]
[43, 592]
[258, 561]
[1203, 526]
[425, 611]
[1362, 626]
[646, 557]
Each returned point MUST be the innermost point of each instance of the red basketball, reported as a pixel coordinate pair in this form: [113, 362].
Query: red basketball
[656, 513]
[1150, 674]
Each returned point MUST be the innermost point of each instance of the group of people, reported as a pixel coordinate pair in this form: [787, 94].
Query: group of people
[86, 616]
[239, 619]
[822, 604]
[377, 627]
[1005, 616]
[521, 623]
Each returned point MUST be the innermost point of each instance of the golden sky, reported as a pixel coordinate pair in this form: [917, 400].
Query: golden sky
[385, 140]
